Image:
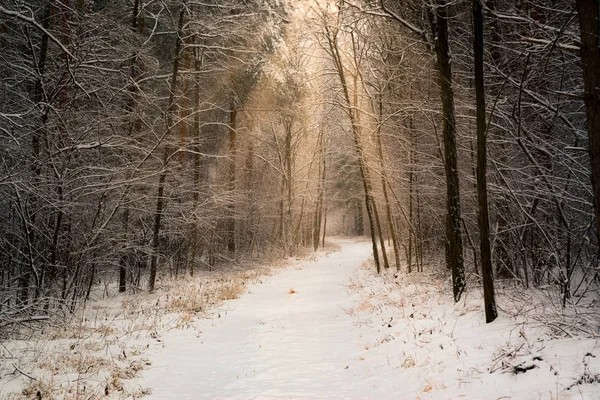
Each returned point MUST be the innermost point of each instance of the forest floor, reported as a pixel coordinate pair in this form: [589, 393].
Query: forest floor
[327, 327]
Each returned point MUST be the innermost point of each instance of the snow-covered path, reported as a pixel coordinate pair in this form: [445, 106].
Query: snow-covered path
[344, 332]
[272, 343]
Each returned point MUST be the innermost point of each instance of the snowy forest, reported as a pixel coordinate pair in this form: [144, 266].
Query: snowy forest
[166, 163]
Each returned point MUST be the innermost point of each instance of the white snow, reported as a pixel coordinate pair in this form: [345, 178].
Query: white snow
[326, 328]
[333, 329]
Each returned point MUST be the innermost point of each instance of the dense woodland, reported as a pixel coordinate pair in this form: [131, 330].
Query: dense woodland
[146, 138]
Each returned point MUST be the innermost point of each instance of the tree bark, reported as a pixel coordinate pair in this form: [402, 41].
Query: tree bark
[484, 225]
[454, 235]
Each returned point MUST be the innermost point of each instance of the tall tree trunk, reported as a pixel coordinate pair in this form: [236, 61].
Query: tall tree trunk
[320, 194]
[196, 174]
[289, 185]
[324, 198]
[411, 233]
[484, 225]
[135, 126]
[324, 215]
[419, 254]
[502, 247]
[232, 175]
[166, 155]
[37, 139]
[589, 25]
[454, 236]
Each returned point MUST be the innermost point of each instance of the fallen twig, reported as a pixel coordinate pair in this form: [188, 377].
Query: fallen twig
[23, 373]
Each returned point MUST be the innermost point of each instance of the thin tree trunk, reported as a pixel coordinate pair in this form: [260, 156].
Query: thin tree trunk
[166, 154]
[386, 263]
[319, 205]
[384, 180]
[36, 166]
[410, 211]
[134, 127]
[359, 219]
[232, 176]
[502, 249]
[124, 258]
[196, 179]
[419, 235]
[289, 187]
[324, 200]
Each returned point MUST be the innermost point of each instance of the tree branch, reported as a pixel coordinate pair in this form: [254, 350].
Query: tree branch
[33, 22]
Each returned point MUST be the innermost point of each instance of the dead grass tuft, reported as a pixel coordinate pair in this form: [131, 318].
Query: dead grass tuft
[41, 386]
[75, 362]
[408, 362]
[230, 291]
[190, 300]
[119, 374]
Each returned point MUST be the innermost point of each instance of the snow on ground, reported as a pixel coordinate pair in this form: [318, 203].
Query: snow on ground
[333, 329]
[98, 350]
[322, 328]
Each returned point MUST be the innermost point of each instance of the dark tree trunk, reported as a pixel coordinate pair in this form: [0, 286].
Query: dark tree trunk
[454, 236]
[125, 257]
[589, 23]
[484, 225]
[135, 126]
[196, 179]
[157, 222]
[166, 155]
[410, 213]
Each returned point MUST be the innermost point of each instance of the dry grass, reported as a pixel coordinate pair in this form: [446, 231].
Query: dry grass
[432, 386]
[230, 290]
[75, 362]
[408, 362]
[41, 388]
